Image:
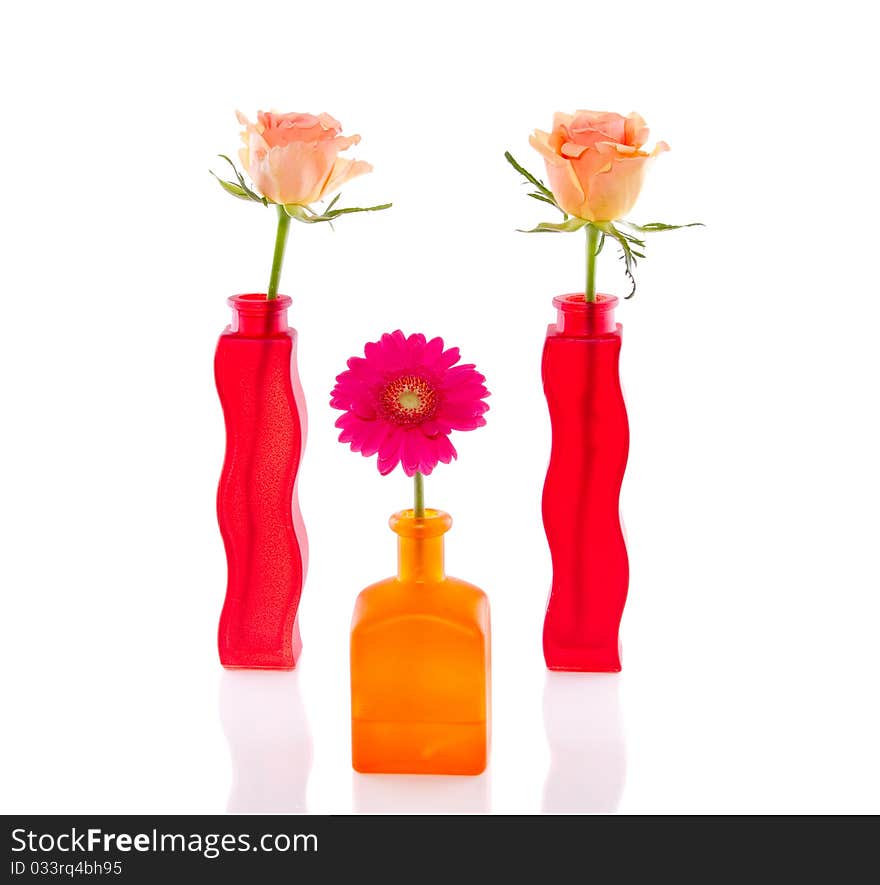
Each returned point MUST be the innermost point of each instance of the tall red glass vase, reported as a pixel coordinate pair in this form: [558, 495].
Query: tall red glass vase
[581, 500]
[257, 507]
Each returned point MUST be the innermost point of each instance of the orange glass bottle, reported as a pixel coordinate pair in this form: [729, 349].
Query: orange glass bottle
[420, 667]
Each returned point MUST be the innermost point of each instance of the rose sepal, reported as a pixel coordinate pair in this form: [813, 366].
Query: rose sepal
[654, 227]
[241, 189]
[308, 215]
[548, 227]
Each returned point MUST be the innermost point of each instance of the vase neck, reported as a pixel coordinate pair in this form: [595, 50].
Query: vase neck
[577, 318]
[254, 315]
[420, 545]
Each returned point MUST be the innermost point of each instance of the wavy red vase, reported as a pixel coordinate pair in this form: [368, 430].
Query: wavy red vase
[257, 507]
[581, 502]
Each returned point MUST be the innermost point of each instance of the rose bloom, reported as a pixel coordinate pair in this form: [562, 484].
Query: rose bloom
[595, 163]
[294, 158]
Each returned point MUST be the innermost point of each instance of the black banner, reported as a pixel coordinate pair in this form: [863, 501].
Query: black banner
[135, 849]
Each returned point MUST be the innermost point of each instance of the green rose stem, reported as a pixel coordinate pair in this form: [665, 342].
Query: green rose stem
[419, 496]
[278, 257]
[592, 244]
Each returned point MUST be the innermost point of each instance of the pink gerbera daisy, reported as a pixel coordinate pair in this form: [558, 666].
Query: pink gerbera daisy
[403, 398]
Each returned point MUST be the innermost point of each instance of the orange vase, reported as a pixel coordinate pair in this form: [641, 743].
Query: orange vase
[420, 663]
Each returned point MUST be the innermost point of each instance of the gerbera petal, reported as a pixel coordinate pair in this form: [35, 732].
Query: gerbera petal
[464, 370]
[452, 406]
[352, 394]
[413, 449]
[374, 436]
[472, 386]
[445, 450]
[433, 349]
[453, 378]
[466, 395]
[471, 423]
[415, 350]
[398, 341]
[389, 450]
[387, 465]
[459, 397]
[349, 425]
[438, 426]
[428, 455]
[391, 444]
[464, 417]
[394, 351]
[363, 408]
[447, 358]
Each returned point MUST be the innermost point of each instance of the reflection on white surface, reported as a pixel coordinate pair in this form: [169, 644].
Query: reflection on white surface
[587, 744]
[420, 794]
[269, 739]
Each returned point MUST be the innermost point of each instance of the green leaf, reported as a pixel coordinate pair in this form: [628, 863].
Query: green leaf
[546, 227]
[332, 203]
[601, 242]
[657, 226]
[529, 177]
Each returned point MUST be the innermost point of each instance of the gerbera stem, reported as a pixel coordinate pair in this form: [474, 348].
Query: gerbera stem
[592, 244]
[278, 257]
[418, 495]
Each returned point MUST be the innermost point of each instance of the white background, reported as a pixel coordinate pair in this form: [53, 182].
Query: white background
[750, 365]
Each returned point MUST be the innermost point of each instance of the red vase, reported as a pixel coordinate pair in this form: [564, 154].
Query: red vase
[581, 500]
[257, 508]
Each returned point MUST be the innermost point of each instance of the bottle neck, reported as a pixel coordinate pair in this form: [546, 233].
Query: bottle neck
[254, 315]
[577, 318]
[420, 560]
[420, 545]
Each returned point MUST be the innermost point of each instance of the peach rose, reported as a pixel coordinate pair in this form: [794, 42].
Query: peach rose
[294, 158]
[594, 162]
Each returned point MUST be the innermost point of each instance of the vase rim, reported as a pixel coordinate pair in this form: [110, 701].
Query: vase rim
[258, 303]
[574, 301]
[433, 524]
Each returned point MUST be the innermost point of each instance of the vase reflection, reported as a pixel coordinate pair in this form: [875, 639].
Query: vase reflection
[587, 745]
[420, 794]
[265, 724]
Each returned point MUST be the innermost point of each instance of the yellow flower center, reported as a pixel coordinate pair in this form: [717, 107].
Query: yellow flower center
[409, 399]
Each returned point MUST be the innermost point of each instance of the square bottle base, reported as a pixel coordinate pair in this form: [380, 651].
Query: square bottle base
[419, 747]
